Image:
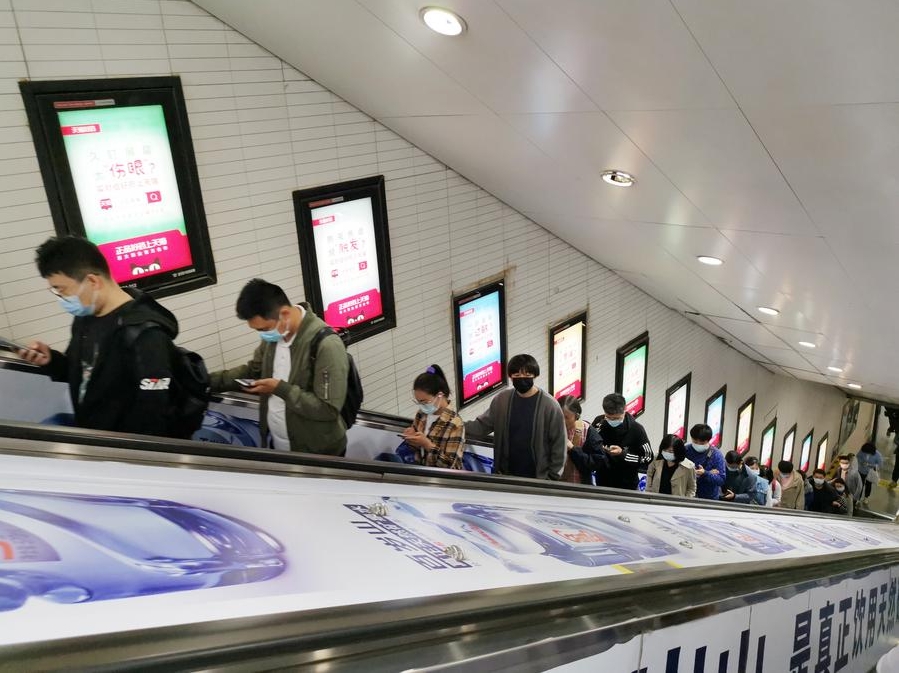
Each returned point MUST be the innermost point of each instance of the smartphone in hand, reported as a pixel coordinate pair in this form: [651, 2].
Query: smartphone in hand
[245, 383]
[12, 346]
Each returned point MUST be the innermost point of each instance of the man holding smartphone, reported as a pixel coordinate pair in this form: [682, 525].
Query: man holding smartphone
[299, 416]
[115, 384]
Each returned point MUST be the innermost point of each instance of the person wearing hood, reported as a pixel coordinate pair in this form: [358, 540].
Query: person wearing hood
[708, 460]
[671, 473]
[850, 476]
[115, 383]
[626, 445]
[739, 482]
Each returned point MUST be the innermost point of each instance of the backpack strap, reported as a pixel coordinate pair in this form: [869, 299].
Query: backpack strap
[133, 332]
[313, 352]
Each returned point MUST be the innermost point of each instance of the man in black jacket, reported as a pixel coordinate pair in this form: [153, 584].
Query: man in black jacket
[116, 382]
[626, 445]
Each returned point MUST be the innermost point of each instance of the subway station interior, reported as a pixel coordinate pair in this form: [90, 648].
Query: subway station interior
[596, 243]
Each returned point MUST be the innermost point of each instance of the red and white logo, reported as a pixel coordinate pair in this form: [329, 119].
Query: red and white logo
[155, 384]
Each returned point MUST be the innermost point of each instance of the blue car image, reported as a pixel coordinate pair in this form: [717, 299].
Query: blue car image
[70, 548]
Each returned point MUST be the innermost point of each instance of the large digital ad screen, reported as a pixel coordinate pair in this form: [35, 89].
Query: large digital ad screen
[821, 463]
[345, 252]
[568, 357]
[677, 408]
[479, 324]
[789, 441]
[805, 455]
[631, 363]
[118, 166]
[714, 415]
[768, 434]
[744, 425]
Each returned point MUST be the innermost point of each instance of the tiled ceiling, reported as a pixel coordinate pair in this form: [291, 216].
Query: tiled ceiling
[765, 133]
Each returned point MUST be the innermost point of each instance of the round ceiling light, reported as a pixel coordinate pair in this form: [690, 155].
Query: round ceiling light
[767, 310]
[618, 178]
[443, 21]
[854, 386]
[835, 370]
[807, 344]
[710, 261]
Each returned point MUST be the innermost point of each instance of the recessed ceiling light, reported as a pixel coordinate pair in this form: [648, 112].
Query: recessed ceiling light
[711, 261]
[618, 178]
[807, 344]
[767, 310]
[443, 21]
[854, 386]
[836, 370]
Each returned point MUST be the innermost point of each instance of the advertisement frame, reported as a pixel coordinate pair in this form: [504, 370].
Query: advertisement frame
[810, 436]
[561, 327]
[821, 442]
[304, 200]
[783, 450]
[620, 354]
[39, 99]
[722, 393]
[685, 381]
[772, 428]
[457, 302]
[746, 405]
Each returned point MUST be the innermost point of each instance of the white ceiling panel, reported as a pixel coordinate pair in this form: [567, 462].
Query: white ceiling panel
[749, 332]
[624, 55]
[521, 77]
[717, 161]
[786, 358]
[591, 143]
[800, 52]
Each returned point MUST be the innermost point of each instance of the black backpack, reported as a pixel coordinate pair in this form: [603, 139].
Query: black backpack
[354, 394]
[189, 392]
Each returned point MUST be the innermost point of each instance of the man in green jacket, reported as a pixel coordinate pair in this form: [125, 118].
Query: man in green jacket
[299, 407]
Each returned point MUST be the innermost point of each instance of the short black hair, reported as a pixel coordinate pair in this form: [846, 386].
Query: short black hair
[71, 256]
[750, 461]
[614, 404]
[676, 444]
[838, 480]
[868, 447]
[523, 363]
[820, 471]
[432, 381]
[733, 457]
[572, 404]
[785, 467]
[701, 433]
[262, 299]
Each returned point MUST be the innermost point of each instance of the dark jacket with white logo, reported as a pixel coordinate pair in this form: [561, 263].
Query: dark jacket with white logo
[623, 470]
[128, 390]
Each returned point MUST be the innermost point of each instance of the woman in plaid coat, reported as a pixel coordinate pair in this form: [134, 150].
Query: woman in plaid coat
[436, 431]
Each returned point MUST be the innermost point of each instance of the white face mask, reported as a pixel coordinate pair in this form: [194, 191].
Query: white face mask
[753, 471]
[702, 448]
[818, 481]
[667, 455]
[844, 466]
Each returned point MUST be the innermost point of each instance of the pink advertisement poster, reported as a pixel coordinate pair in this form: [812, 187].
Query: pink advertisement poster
[481, 347]
[567, 361]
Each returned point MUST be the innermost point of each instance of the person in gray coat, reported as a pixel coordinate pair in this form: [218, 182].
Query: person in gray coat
[527, 426]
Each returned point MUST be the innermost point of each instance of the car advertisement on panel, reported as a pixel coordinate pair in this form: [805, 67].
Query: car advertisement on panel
[93, 547]
[567, 358]
[124, 177]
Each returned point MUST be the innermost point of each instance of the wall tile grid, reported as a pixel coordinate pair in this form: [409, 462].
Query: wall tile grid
[262, 129]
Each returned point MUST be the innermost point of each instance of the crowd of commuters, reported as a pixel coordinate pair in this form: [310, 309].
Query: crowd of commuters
[299, 371]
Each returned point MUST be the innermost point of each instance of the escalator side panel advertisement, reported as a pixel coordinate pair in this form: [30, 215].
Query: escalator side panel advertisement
[124, 176]
[92, 548]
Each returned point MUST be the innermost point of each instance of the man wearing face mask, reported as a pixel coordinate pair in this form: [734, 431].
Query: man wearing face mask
[299, 417]
[115, 383]
[850, 476]
[709, 462]
[626, 445]
[529, 435]
[739, 482]
[824, 497]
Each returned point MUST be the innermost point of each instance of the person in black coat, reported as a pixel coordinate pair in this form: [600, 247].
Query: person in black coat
[824, 497]
[627, 447]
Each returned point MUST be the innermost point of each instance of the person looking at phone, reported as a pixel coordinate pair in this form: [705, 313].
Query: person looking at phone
[739, 481]
[299, 416]
[709, 462]
[625, 442]
[436, 431]
[115, 383]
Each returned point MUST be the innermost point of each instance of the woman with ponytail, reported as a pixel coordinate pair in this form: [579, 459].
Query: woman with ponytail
[437, 432]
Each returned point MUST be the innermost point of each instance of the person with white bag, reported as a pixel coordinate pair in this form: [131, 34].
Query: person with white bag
[869, 461]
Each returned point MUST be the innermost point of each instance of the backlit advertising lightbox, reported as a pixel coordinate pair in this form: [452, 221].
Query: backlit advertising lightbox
[567, 357]
[714, 415]
[744, 425]
[677, 407]
[631, 365]
[768, 434]
[480, 331]
[821, 463]
[805, 455]
[789, 441]
[345, 252]
[118, 166]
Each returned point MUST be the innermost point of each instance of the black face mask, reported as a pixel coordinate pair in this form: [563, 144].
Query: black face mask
[523, 385]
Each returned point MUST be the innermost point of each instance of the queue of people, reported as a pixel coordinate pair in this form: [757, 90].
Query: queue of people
[118, 368]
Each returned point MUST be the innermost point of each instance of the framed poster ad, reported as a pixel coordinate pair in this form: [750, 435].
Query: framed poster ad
[744, 425]
[767, 453]
[479, 326]
[714, 414]
[568, 357]
[631, 366]
[677, 408]
[789, 441]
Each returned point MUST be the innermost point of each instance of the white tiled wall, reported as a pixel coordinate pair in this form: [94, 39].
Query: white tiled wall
[262, 129]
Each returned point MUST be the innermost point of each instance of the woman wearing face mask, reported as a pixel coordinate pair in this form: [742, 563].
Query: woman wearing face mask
[436, 431]
[671, 473]
[843, 504]
[762, 495]
[853, 481]
[584, 446]
[774, 488]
